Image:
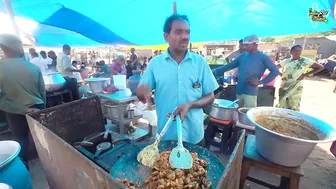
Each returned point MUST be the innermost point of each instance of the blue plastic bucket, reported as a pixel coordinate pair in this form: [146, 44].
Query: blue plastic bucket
[12, 170]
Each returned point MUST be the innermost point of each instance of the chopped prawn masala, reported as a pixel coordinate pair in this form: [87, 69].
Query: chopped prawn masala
[163, 176]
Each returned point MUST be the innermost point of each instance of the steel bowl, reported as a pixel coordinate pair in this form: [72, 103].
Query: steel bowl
[220, 109]
[53, 81]
[243, 118]
[97, 85]
[283, 149]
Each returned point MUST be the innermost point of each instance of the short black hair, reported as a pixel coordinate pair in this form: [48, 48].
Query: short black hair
[169, 21]
[295, 46]
[241, 41]
[74, 62]
[43, 52]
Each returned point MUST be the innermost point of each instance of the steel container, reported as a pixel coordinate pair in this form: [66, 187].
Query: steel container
[53, 81]
[97, 85]
[113, 110]
[243, 118]
[286, 150]
[220, 110]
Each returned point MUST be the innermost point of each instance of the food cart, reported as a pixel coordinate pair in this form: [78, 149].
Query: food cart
[56, 131]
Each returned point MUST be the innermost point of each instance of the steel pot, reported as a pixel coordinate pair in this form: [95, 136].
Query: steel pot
[53, 81]
[97, 85]
[113, 110]
[220, 110]
[286, 150]
[243, 118]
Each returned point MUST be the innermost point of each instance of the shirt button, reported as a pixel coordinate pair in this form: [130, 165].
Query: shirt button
[178, 67]
[179, 81]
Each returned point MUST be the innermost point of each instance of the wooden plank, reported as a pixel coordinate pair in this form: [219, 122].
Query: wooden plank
[231, 175]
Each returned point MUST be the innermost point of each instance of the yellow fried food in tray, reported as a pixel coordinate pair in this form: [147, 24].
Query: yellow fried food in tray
[163, 176]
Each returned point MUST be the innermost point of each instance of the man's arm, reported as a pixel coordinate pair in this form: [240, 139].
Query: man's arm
[274, 71]
[67, 64]
[147, 83]
[42, 89]
[221, 70]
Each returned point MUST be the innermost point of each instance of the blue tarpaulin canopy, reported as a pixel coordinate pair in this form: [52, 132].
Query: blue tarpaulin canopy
[140, 22]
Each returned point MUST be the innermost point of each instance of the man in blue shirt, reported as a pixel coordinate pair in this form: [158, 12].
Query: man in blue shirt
[252, 66]
[180, 79]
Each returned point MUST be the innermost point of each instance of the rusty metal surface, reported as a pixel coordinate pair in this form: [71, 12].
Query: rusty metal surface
[73, 121]
[231, 175]
[64, 166]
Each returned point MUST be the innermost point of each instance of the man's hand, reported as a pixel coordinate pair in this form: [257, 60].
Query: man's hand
[253, 81]
[32, 110]
[182, 110]
[142, 93]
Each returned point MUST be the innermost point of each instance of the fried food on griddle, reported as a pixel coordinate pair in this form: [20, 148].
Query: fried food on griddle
[163, 176]
[129, 184]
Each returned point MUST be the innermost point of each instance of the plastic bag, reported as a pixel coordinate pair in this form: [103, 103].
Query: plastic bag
[150, 116]
[140, 108]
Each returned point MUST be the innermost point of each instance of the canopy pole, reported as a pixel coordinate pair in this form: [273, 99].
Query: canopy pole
[10, 12]
[304, 42]
[174, 8]
[109, 54]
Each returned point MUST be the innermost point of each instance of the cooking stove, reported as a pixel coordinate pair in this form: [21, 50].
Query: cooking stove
[102, 148]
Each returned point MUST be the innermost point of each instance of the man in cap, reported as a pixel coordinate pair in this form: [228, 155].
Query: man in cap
[252, 66]
[22, 90]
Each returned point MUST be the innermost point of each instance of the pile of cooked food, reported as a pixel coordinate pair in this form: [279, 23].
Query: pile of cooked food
[289, 126]
[163, 176]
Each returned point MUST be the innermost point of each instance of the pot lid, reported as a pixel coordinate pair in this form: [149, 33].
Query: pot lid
[222, 103]
[5, 186]
[8, 151]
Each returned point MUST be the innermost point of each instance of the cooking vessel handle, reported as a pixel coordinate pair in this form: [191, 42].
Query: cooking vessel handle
[165, 128]
[179, 131]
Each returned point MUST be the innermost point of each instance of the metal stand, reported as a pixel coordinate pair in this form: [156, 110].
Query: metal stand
[121, 98]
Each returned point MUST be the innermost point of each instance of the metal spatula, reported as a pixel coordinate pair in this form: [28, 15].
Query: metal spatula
[148, 155]
[180, 157]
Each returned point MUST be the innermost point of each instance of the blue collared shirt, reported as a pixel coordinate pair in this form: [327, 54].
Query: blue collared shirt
[174, 84]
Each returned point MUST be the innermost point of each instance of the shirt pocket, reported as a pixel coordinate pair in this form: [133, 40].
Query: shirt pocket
[194, 92]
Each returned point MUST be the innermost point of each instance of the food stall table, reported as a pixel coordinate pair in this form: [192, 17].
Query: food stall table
[290, 176]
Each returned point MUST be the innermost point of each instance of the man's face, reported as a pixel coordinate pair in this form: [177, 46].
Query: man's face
[31, 50]
[44, 55]
[67, 51]
[132, 51]
[179, 35]
[120, 61]
[249, 47]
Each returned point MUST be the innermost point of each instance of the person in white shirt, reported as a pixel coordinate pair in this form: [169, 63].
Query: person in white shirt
[31, 51]
[63, 64]
[45, 59]
[77, 75]
[39, 62]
